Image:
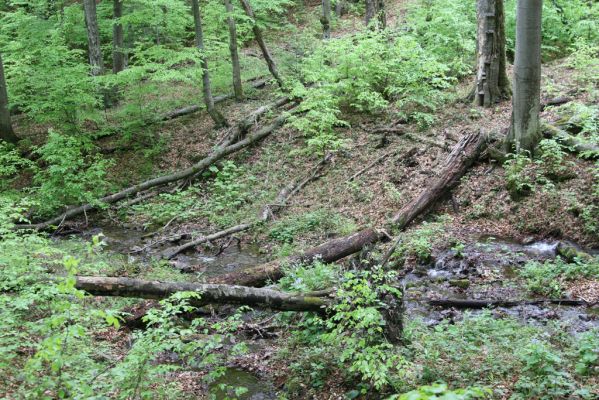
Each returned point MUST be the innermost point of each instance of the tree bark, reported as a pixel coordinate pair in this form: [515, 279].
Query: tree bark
[219, 153]
[463, 155]
[219, 294]
[325, 19]
[492, 83]
[6, 131]
[525, 129]
[118, 54]
[93, 38]
[272, 66]
[217, 117]
[375, 9]
[233, 49]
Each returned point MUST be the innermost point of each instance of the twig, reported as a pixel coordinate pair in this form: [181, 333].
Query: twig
[369, 166]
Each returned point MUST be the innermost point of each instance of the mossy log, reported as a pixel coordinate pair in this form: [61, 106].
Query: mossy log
[209, 293]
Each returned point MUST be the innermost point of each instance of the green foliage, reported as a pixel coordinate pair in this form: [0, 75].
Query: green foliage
[73, 175]
[440, 391]
[419, 242]
[543, 375]
[549, 278]
[287, 229]
[588, 353]
[305, 278]
[11, 163]
[366, 72]
[520, 178]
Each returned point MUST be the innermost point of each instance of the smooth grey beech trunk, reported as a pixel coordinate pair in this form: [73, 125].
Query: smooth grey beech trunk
[6, 131]
[325, 19]
[526, 103]
[375, 9]
[118, 52]
[272, 66]
[492, 83]
[233, 48]
[93, 37]
[217, 117]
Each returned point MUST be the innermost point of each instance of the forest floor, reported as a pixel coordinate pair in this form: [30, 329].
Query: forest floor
[473, 239]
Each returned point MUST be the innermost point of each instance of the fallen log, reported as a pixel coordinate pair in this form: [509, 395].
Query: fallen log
[463, 155]
[218, 294]
[195, 108]
[173, 251]
[328, 252]
[200, 166]
[265, 214]
[463, 303]
[557, 101]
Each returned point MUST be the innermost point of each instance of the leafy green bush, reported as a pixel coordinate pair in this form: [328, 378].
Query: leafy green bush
[549, 278]
[419, 242]
[287, 229]
[73, 174]
[305, 278]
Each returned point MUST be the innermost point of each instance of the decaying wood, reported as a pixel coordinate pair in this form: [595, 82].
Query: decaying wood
[210, 293]
[557, 101]
[200, 166]
[328, 252]
[463, 155]
[265, 214]
[463, 303]
[173, 251]
[195, 108]
[369, 166]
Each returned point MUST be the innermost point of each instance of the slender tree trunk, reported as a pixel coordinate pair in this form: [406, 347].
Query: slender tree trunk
[6, 132]
[525, 130]
[272, 66]
[93, 37]
[118, 55]
[340, 8]
[237, 88]
[492, 83]
[375, 9]
[217, 117]
[325, 19]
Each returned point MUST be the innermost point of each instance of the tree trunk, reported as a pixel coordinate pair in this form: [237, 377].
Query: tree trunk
[6, 132]
[492, 83]
[93, 38]
[217, 117]
[219, 153]
[340, 8]
[325, 19]
[375, 9]
[118, 54]
[237, 88]
[219, 294]
[272, 67]
[463, 155]
[525, 130]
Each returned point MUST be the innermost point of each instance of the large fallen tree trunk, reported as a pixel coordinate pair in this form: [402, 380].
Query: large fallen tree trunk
[200, 166]
[463, 155]
[571, 142]
[209, 293]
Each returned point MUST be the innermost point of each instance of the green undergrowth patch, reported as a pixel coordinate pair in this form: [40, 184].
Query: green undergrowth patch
[304, 278]
[515, 360]
[224, 200]
[418, 243]
[287, 229]
[549, 278]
